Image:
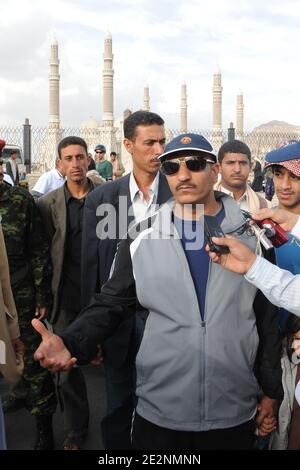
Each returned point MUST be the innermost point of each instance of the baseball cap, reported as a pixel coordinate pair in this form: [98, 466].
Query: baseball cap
[101, 148]
[287, 156]
[194, 143]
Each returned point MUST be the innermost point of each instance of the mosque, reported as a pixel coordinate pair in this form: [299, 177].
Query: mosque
[110, 131]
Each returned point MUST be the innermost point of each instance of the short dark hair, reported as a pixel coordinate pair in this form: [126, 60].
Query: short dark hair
[13, 152]
[234, 146]
[140, 118]
[71, 140]
[113, 153]
[292, 326]
[276, 168]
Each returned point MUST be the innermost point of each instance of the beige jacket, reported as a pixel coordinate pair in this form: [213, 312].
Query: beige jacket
[53, 211]
[8, 322]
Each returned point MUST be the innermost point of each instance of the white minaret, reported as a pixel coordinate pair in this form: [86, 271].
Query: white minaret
[108, 82]
[54, 120]
[183, 109]
[240, 114]
[217, 100]
[146, 106]
[48, 149]
[217, 134]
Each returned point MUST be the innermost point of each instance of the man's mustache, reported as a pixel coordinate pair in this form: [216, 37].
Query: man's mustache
[184, 185]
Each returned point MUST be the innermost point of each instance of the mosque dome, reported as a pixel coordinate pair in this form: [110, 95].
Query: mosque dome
[90, 123]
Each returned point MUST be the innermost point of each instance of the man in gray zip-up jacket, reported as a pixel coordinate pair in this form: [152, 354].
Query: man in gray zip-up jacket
[196, 386]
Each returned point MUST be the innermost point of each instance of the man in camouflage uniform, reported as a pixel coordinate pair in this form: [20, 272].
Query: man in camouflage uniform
[30, 271]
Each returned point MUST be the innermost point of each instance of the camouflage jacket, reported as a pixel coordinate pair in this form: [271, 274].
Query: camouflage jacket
[26, 244]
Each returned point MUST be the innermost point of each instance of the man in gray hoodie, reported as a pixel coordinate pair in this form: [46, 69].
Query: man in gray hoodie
[211, 340]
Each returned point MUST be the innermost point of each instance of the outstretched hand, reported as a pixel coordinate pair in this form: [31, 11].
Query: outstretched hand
[52, 352]
[239, 259]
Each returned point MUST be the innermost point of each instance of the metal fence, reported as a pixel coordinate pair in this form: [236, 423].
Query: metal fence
[44, 140]
[12, 135]
[262, 142]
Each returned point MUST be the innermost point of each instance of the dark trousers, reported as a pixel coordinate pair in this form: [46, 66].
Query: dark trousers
[73, 390]
[148, 436]
[116, 425]
[120, 392]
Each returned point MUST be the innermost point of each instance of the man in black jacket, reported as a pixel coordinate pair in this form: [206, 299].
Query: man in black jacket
[127, 200]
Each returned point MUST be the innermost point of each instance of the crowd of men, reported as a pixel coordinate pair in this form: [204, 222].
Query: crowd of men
[121, 269]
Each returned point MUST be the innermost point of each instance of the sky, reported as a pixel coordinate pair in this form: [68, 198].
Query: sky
[161, 43]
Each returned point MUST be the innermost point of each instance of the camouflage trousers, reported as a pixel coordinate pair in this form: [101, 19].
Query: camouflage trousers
[38, 382]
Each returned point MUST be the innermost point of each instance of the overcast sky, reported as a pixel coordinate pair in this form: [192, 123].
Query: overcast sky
[161, 43]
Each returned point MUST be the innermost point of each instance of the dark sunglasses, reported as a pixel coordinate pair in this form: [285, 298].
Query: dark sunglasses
[171, 167]
[99, 151]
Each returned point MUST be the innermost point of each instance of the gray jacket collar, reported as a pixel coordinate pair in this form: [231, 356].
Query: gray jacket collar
[233, 217]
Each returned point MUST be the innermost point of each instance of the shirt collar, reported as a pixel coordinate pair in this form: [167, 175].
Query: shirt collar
[134, 189]
[58, 175]
[69, 196]
[226, 191]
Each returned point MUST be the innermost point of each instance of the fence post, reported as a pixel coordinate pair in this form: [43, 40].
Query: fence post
[27, 145]
[231, 132]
